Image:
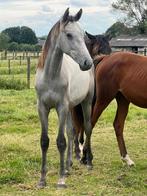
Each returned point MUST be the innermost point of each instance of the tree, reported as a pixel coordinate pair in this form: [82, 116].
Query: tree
[28, 36]
[21, 35]
[4, 39]
[13, 33]
[135, 10]
[117, 29]
[13, 46]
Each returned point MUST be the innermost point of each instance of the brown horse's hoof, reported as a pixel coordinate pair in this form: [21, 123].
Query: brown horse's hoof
[41, 184]
[83, 161]
[78, 157]
[67, 173]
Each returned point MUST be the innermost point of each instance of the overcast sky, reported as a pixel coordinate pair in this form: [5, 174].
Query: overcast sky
[40, 15]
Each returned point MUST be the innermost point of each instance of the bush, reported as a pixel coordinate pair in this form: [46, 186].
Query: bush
[13, 46]
[11, 83]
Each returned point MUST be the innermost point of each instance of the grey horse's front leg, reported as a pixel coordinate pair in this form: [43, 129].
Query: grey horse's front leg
[44, 141]
[70, 135]
[61, 144]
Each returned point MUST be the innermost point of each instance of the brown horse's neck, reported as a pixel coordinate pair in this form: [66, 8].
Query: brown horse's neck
[89, 46]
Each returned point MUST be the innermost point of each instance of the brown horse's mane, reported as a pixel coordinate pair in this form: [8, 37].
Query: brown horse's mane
[97, 59]
[45, 48]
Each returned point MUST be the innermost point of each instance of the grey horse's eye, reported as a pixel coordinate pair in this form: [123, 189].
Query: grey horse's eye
[69, 36]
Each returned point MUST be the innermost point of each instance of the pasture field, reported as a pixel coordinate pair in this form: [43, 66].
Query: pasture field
[13, 71]
[20, 155]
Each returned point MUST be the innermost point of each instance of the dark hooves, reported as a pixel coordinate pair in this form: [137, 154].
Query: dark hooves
[71, 164]
[67, 173]
[83, 161]
[41, 184]
[78, 157]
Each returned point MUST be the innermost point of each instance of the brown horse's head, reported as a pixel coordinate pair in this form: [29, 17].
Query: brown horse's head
[97, 44]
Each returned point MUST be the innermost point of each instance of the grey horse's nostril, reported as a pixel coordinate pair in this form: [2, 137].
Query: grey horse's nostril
[86, 63]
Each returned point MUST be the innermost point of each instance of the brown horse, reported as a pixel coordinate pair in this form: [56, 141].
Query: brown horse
[97, 45]
[122, 76]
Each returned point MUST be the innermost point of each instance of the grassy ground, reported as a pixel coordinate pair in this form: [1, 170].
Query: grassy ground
[20, 158]
[16, 73]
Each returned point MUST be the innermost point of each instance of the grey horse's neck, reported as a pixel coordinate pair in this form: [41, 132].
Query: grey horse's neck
[54, 57]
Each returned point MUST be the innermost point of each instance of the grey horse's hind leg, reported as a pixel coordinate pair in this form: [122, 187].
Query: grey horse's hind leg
[44, 141]
[70, 135]
[61, 144]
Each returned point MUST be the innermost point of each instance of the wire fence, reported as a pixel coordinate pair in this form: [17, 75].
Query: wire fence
[19, 68]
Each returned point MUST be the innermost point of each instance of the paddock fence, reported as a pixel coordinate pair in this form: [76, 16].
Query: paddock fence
[20, 67]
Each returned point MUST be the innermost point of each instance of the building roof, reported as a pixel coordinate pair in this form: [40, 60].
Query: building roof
[41, 42]
[129, 41]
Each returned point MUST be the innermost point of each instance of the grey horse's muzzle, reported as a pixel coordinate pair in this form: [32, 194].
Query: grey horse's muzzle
[87, 65]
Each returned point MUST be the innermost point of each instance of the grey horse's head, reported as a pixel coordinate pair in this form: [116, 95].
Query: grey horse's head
[71, 40]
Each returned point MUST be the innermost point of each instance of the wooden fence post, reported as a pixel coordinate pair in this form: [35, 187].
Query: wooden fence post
[145, 52]
[28, 72]
[20, 60]
[9, 66]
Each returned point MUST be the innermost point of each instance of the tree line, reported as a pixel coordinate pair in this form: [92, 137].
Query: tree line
[134, 20]
[19, 39]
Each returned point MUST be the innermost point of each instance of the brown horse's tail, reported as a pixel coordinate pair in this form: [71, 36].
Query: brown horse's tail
[78, 121]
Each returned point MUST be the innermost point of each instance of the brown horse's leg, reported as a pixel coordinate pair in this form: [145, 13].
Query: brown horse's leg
[78, 122]
[76, 142]
[97, 110]
[122, 111]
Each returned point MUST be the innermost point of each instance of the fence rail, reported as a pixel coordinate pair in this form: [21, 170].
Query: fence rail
[4, 55]
[22, 67]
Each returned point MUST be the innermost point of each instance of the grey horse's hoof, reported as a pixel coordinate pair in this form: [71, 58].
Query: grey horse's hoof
[41, 184]
[89, 167]
[61, 186]
[61, 183]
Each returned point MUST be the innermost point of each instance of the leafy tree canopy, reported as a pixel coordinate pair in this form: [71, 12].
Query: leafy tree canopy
[21, 35]
[117, 29]
[4, 39]
[135, 11]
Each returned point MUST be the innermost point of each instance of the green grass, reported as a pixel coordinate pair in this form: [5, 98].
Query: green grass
[20, 158]
[16, 76]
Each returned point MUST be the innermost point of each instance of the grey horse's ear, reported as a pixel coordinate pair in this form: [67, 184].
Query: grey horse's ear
[78, 15]
[90, 36]
[66, 15]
